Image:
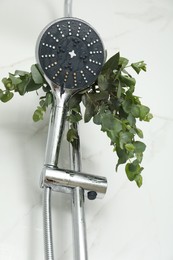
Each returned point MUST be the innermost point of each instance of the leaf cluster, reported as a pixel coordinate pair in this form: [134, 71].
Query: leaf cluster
[22, 82]
[110, 102]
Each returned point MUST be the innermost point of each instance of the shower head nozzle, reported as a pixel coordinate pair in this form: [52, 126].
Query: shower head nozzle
[70, 53]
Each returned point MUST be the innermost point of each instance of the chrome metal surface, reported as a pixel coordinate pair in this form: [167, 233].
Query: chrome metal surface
[78, 209]
[68, 8]
[54, 177]
[79, 225]
[56, 127]
[47, 224]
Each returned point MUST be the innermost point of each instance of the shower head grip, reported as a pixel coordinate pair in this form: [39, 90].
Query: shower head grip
[70, 53]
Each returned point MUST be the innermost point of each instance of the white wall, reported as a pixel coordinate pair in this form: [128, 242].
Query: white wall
[130, 223]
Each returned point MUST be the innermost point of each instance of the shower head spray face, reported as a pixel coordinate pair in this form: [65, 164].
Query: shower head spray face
[70, 53]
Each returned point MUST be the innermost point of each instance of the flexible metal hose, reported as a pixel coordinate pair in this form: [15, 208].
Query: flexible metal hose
[47, 224]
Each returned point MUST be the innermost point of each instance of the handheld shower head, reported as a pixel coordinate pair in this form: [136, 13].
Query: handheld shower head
[70, 54]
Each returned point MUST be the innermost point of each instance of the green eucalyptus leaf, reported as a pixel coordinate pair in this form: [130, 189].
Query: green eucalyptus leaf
[38, 115]
[89, 112]
[127, 106]
[129, 81]
[21, 73]
[42, 101]
[8, 83]
[130, 129]
[85, 99]
[109, 122]
[6, 96]
[5, 81]
[72, 135]
[74, 117]
[124, 138]
[102, 96]
[22, 87]
[40, 109]
[129, 147]
[122, 156]
[111, 64]
[74, 101]
[43, 104]
[102, 109]
[131, 119]
[123, 62]
[136, 100]
[135, 110]
[103, 82]
[130, 91]
[138, 66]
[139, 147]
[148, 117]
[139, 180]
[14, 80]
[119, 90]
[90, 106]
[144, 110]
[49, 99]
[93, 98]
[112, 134]
[139, 132]
[111, 125]
[36, 74]
[32, 86]
[139, 157]
[97, 119]
[132, 170]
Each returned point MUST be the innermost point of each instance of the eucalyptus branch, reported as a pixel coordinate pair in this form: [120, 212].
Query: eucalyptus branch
[110, 102]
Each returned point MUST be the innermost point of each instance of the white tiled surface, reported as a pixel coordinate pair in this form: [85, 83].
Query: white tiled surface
[130, 223]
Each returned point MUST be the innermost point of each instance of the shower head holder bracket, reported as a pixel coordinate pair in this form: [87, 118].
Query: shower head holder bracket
[64, 181]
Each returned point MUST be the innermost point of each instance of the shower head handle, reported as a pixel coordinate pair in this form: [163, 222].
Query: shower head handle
[70, 54]
[56, 127]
